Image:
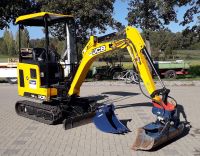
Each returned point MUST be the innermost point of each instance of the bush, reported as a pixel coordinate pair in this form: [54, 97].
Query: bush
[194, 70]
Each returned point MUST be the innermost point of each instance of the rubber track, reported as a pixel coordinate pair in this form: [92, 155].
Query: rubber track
[46, 109]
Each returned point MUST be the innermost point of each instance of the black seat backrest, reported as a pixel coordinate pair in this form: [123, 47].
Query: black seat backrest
[39, 54]
[55, 73]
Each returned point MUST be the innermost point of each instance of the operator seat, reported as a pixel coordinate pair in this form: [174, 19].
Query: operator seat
[39, 54]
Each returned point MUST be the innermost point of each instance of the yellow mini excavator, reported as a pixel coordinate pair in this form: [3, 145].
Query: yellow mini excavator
[41, 76]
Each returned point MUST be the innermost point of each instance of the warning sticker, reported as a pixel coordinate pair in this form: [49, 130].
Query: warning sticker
[32, 84]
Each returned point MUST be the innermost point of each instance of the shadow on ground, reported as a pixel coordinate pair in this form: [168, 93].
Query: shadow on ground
[147, 104]
[3, 81]
[97, 97]
[120, 93]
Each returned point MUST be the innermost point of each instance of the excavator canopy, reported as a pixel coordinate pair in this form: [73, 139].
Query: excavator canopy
[46, 20]
[37, 19]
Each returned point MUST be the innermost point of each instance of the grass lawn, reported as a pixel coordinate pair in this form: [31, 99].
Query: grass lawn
[188, 54]
[193, 62]
[192, 57]
[3, 58]
[129, 65]
[126, 65]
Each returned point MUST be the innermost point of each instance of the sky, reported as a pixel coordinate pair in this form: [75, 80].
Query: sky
[120, 13]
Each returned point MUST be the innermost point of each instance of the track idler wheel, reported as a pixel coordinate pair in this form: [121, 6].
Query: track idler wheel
[20, 108]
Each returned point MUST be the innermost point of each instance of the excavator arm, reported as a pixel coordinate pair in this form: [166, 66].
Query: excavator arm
[92, 50]
[167, 126]
[135, 46]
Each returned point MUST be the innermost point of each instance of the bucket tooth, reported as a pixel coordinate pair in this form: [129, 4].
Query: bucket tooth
[148, 140]
[106, 120]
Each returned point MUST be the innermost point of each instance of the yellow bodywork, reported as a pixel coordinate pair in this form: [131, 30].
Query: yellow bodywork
[40, 16]
[134, 44]
[35, 90]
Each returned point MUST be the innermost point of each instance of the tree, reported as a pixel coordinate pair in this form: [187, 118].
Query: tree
[24, 39]
[10, 9]
[188, 17]
[59, 45]
[37, 43]
[3, 47]
[9, 43]
[194, 8]
[113, 58]
[164, 43]
[91, 16]
[151, 15]
[155, 14]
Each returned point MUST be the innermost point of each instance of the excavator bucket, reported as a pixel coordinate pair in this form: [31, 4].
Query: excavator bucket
[149, 137]
[106, 120]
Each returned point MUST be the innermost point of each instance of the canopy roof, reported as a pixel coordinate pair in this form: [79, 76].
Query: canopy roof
[37, 19]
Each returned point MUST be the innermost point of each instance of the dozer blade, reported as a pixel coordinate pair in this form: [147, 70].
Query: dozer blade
[78, 120]
[106, 120]
[148, 139]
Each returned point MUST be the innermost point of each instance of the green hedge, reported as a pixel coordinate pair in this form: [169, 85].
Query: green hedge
[194, 70]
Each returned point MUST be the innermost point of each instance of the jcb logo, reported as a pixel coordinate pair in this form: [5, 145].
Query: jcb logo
[98, 50]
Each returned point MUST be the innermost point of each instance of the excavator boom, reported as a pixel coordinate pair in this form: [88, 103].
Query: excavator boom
[134, 44]
[167, 126]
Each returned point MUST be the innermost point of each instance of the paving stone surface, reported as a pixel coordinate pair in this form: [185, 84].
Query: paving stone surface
[23, 137]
